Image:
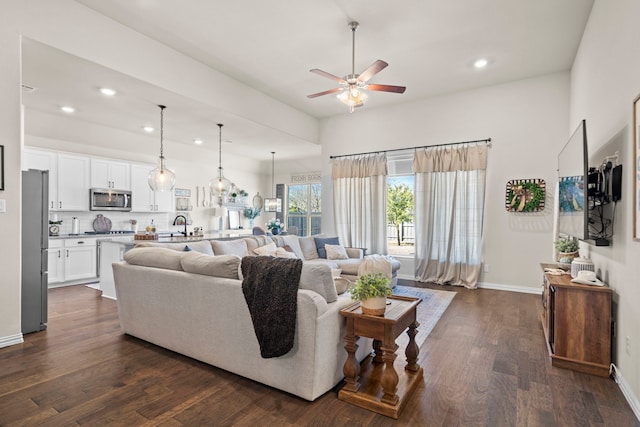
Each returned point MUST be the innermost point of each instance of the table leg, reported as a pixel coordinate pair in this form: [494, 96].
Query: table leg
[351, 369]
[389, 380]
[377, 350]
[412, 349]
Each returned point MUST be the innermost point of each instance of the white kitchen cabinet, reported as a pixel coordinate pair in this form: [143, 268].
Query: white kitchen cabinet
[110, 174]
[55, 261]
[143, 198]
[45, 161]
[80, 259]
[73, 182]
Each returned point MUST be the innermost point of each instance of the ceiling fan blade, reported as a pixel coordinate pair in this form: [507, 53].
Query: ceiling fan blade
[326, 92]
[327, 75]
[386, 88]
[373, 69]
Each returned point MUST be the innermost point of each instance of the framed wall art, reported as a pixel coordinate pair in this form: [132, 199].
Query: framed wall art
[636, 168]
[525, 195]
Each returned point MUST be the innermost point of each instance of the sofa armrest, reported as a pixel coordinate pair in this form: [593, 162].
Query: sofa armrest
[357, 253]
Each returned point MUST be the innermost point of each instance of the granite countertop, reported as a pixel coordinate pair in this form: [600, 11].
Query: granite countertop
[166, 238]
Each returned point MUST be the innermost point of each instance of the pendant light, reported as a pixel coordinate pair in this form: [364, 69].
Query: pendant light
[162, 178]
[220, 185]
[272, 204]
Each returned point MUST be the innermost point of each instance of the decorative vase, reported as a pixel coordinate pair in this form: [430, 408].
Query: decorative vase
[275, 231]
[374, 306]
[250, 222]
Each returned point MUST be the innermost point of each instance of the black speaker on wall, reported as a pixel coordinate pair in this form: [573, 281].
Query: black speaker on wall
[616, 183]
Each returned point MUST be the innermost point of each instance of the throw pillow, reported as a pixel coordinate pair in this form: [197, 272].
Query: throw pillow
[320, 242]
[157, 257]
[283, 253]
[266, 250]
[335, 252]
[230, 247]
[308, 248]
[217, 266]
[202, 246]
[294, 243]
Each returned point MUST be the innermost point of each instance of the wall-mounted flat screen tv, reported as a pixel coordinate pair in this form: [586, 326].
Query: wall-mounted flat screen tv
[573, 218]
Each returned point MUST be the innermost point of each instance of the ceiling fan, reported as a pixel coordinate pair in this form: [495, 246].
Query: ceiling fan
[353, 86]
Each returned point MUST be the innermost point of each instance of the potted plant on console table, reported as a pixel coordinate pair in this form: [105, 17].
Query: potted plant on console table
[567, 248]
[372, 291]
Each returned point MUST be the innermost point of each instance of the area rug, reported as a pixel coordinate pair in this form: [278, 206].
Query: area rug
[433, 305]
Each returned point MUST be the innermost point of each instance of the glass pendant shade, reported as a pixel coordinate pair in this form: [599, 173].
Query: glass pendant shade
[220, 185]
[162, 178]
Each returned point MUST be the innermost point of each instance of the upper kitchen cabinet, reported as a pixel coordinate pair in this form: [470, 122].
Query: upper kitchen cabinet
[73, 182]
[110, 174]
[44, 161]
[68, 178]
[143, 198]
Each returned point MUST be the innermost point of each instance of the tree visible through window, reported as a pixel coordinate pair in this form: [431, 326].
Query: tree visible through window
[400, 205]
[304, 211]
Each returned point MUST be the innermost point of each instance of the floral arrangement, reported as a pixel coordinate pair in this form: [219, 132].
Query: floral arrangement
[274, 224]
[251, 213]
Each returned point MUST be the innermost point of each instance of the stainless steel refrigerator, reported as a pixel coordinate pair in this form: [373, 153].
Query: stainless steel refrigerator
[35, 242]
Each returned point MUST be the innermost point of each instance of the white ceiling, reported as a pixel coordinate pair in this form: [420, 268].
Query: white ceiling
[271, 46]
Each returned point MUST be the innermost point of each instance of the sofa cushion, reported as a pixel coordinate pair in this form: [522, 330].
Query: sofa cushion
[335, 252]
[254, 242]
[202, 246]
[230, 247]
[349, 266]
[157, 257]
[294, 243]
[266, 250]
[216, 266]
[321, 241]
[308, 247]
[317, 277]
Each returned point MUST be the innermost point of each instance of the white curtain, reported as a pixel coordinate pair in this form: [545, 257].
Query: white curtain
[360, 201]
[449, 211]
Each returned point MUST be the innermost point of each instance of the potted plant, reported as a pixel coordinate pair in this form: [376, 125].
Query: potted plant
[372, 290]
[567, 248]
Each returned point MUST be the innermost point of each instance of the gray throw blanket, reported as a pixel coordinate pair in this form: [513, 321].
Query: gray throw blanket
[270, 288]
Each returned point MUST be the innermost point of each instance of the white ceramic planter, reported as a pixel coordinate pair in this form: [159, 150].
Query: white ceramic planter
[374, 306]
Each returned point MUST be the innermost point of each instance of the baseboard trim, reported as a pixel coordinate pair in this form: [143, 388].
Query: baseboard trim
[11, 340]
[631, 398]
[511, 288]
[495, 286]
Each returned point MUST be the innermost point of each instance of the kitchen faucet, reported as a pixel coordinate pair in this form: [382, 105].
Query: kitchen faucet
[175, 222]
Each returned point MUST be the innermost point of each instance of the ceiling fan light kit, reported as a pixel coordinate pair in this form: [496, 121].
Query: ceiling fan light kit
[353, 87]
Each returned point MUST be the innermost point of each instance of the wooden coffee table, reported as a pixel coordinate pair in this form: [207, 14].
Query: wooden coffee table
[376, 384]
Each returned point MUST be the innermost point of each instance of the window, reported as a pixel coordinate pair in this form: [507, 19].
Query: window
[400, 204]
[304, 208]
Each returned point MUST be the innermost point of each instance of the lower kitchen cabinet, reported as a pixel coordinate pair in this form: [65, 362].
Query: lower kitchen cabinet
[72, 260]
[56, 261]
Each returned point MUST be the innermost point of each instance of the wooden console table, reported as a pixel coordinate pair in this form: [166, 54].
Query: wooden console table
[376, 384]
[576, 320]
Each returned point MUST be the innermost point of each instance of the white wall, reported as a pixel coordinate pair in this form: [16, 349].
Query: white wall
[605, 80]
[527, 121]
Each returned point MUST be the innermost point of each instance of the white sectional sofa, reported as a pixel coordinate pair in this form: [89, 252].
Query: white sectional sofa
[193, 304]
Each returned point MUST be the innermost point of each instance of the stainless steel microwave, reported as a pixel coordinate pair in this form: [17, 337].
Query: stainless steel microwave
[106, 199]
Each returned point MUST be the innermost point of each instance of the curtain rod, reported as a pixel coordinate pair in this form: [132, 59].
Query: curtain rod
[413, 148]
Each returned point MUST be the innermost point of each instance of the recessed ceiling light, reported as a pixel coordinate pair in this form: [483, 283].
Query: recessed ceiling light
[147, 129]
[197, 141]
[67, 109]
[481, 63]
[107, 91]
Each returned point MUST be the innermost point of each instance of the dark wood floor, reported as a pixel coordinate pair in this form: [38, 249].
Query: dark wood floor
[485, 364]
